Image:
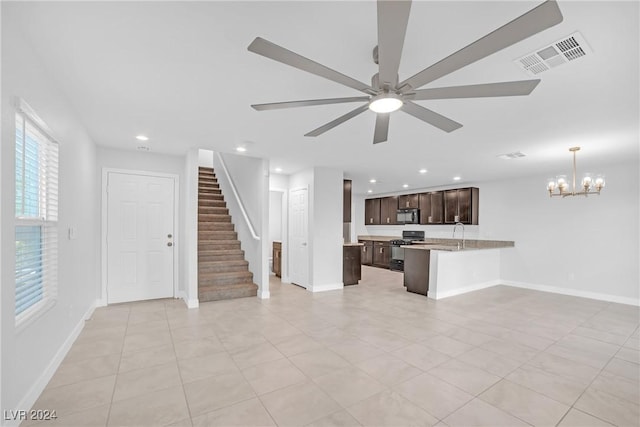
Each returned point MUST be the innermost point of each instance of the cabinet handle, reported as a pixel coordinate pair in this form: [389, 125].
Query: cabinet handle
[381, 250]
[387, 220]
[430, 219]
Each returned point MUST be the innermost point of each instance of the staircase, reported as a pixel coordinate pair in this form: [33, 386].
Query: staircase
[223, 273]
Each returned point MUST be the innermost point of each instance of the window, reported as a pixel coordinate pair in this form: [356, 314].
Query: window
[36, 205]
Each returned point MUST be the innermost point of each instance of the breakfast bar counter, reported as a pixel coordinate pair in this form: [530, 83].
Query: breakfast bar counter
[440, 268]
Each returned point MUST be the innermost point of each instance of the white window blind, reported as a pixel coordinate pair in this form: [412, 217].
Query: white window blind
[36, 206]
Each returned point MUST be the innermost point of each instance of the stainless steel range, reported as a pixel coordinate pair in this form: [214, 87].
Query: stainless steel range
[397, 253]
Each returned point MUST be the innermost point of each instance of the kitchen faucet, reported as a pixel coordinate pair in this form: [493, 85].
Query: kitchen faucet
[454, 233]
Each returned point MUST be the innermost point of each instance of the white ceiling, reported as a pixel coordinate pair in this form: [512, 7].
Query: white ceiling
[180, 73]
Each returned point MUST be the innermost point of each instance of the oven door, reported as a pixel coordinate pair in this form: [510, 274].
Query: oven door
[397, 253]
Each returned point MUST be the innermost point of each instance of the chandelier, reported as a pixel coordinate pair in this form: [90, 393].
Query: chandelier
[558, 187]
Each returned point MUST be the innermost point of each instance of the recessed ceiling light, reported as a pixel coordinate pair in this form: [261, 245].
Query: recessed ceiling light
[422, 171]
[278, 169]
[241, 149]
[373, 181]
[405, 185]
[457, 178]
[369, 191]
[142, 138]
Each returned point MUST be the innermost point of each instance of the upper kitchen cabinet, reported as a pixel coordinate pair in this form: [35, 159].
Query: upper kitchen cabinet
[389, 210]
[372, 212]
[346, 201]
[431, 207]
[408, 201]
[461, 205]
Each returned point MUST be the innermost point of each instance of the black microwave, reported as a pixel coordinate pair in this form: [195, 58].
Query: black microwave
[408, 216]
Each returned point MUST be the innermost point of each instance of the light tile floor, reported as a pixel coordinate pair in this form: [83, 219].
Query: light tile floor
[371, 354]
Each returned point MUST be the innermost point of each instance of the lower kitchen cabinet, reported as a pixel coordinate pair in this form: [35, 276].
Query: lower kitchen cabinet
[277, 259]
[351, 271]
[366, 252]
[381, 254]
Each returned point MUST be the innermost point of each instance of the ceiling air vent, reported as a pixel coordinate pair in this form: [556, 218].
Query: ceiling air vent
[509, 156]
[560, 52]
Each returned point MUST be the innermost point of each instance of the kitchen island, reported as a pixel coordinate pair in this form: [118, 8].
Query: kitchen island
[440, 268]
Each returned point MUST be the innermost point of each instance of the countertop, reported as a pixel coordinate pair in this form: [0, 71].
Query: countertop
[379, 238]
[353, 244]
[455, 245]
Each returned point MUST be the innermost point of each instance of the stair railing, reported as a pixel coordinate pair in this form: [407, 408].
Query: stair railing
[237, 196]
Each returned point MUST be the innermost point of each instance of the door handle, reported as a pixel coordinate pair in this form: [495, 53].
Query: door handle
[169, 235]
[169, 244]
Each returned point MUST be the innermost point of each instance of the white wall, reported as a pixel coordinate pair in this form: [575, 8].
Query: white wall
[31, 355]
[586, 246]
[189, 250]
[205, 158]
[326, 218]
[150, 162]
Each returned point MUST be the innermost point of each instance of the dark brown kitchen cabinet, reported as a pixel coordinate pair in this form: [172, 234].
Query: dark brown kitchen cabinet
[277, 259]
[372, 212]
[416, 271]
[431, 207]
[408, 201]
[389, 210]
[346, 201]
[381, 254]
[351, 268]
[461, 205]
[366, 252]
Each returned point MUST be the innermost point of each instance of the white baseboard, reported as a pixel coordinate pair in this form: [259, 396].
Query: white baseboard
[101, 302]
[190, 303]
[573, 292]
[264, 295]
[326, 287]
[38, 387]
[460, 291]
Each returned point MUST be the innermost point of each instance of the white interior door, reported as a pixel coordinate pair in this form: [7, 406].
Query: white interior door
[140, 221]
[298, 237]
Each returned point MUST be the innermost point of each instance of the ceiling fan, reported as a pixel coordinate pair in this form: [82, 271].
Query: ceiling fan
[387, 94]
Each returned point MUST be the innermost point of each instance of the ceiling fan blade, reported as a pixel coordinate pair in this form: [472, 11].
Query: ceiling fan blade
[351, 114]
[518, 88]
[538, 19]
[307, 103]
[277, 53]
[393, 17]
[431, 117]
[382, 128]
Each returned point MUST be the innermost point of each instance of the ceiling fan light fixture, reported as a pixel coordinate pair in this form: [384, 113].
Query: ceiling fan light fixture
[385, 103]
